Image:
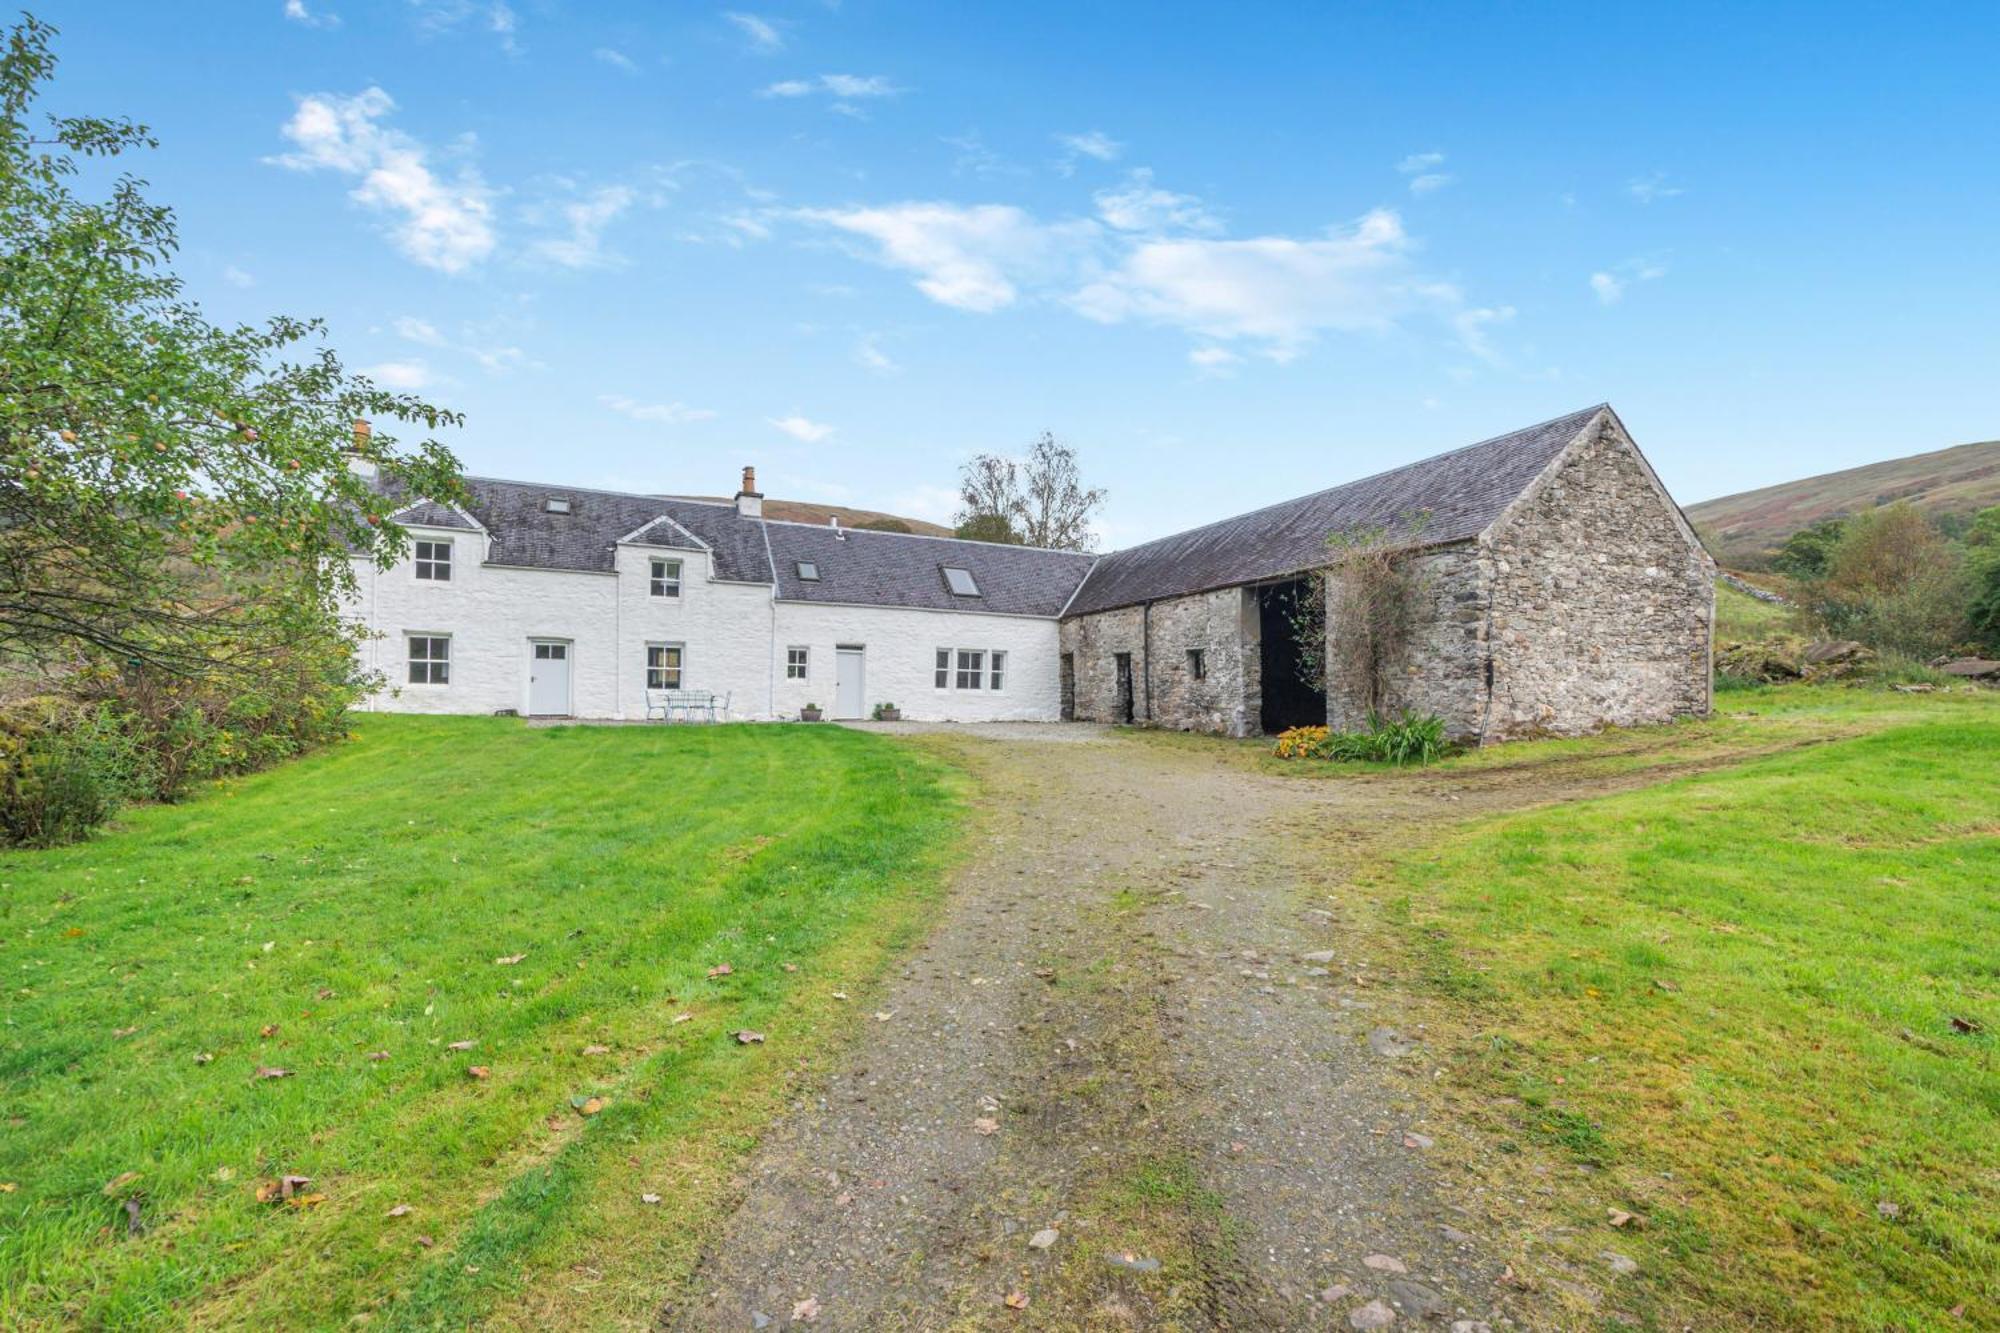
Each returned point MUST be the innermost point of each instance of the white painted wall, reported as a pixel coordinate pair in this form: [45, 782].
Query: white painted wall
[900, 647]
[733, 636]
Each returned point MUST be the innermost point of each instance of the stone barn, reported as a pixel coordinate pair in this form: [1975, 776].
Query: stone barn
[1557, 589]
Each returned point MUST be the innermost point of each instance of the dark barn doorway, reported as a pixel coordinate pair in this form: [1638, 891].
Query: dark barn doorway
[1289, 699]
[1124, 705]
[1069, 687]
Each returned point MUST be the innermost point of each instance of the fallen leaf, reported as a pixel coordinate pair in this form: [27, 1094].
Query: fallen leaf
[306, 1201]
[8, 1187]
[597, 1050]
[425, 1241]
[1967, 1025]
[789, 967]
[461, 1045]
[204, 1058]
[1386, 1263]
[126, 1032]
[1046, 973]
[478, 1071]
[1663, 984]
[378, 1055]
[884, 1015]
[270, 1071]
[400, 1210]
[1619, 1217]
[1515, 1280]
[510, 959]
[680, 1018]
[591, 1106]
[268, 1030]
[840, 995]
[805, 1311]
[1017, 1300]
[73, 933]
[986, 1124]
[649, 1198]
[748, 1038]
[323, 993]
[720, 970]
[1889, 1210]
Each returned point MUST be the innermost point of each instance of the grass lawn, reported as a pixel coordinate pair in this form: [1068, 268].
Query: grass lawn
[554, 897]
[1755, 1007]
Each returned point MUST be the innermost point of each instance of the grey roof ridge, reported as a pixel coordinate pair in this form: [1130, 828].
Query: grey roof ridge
[1077, 591]
[925, 537]
[1325, 490]
[598, 490]
[770, 558]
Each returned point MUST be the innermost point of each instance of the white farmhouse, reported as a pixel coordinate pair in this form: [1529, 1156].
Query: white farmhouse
[1560, 590]
[562, 601]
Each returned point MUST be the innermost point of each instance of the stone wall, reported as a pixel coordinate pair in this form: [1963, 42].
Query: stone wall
[1222, 625]
[1602, 606]
[1441, 668]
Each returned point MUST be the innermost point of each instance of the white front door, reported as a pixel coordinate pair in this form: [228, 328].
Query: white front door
[847, 691]
[548, 679]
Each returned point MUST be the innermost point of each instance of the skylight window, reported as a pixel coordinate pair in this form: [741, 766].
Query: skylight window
[960, 581]
[809, 571]
[556, 504]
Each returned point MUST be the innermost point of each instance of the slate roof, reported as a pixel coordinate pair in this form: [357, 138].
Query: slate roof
[1462, 492]
[859, 567]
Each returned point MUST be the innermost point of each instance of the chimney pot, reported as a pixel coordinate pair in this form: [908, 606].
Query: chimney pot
[362, 430]
[749, 481]
[749, 502]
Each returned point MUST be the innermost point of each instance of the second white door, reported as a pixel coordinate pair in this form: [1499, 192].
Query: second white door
[847, 685]
[548, 679]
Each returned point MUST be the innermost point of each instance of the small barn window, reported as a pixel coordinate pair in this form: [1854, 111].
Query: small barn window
[809, 571]
[430, 659]
[434, 561]
[1197, 663]
[795, 663]
[663, 666]
[960, 581]
[666, 578]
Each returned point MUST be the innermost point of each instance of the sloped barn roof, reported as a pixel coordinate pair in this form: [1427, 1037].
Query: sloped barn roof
[1458, 494]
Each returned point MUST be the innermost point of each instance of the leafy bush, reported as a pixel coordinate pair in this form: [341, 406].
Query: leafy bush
[64, 769]
[1409, 739]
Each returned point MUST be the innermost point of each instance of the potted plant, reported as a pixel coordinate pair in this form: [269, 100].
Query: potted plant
[810, 713]
[886, 712]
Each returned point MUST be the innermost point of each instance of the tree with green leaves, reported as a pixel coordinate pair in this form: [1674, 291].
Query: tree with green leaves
[175, 496]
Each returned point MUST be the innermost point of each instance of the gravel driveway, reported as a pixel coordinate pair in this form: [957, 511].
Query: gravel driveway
[1134, 1079]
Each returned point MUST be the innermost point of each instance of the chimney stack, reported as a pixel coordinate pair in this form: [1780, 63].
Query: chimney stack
[839, 533]
[750, 500]
[358, 461]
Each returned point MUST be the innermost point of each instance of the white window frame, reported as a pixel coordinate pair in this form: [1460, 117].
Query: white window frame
[989, 677]
[996, 670]
[679, 669]
[941, 669]
[425, 568]
[951, 586]
[798, 662]
[429, 663]
[976, 672]
[664, 576]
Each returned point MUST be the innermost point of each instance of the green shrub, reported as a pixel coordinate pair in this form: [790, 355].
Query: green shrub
[1409, 739]
[64, 769]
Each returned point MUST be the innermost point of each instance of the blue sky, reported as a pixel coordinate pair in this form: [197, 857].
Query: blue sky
[1233, 252]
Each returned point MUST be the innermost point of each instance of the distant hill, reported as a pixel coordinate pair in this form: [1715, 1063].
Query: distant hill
[804, 511]
[1949, 481]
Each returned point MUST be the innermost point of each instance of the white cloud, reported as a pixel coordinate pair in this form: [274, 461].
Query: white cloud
[935, 504]
[442, 224]
[1213, 360]
[968, 257]
[801, 429]
[869, 355]
[1091, 143]
[1610, 285]
[236, 277]
[1422, 169]
[493, 16]
[586, 219]
[420, 331]
[615, 58]
[1472, 324]
[1140, 205]
[1276, 290]
[762, 34]
[1647, 189]
[846, 89]
[297, 12]
[403, 375]
[665, 414]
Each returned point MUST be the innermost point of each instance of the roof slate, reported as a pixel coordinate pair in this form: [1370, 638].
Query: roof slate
[860, 567]
[1461, 493]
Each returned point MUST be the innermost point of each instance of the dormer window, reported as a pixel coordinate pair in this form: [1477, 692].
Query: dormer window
[809, 571]
[556, 504]
[666, 581]
[434, 561]
[960, 581]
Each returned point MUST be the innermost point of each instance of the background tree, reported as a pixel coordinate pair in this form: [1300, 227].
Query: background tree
[1804, 553]
[174, 495]
[1894, 582]
[1040, 501]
